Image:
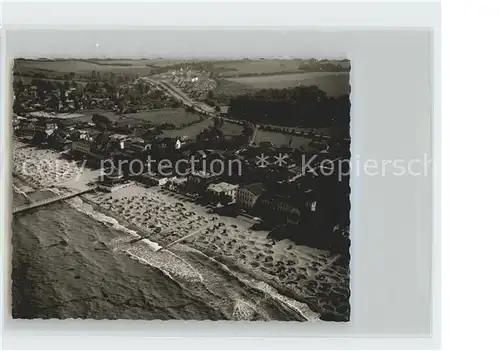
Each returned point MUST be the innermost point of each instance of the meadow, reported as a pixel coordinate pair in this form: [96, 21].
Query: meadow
[137, 62]
[58, 68]
[247, 67]
[175, 116]
[190, 131]
[281, 139]
[333, 84]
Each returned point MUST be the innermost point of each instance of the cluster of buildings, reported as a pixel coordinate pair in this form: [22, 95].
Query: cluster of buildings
[279, 192]
[196, 83]
[65, 96]
[60, 97]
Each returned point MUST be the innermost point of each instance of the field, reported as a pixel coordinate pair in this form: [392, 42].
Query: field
[190, 131]
[176, 116]
[281, 139]
[232, 129]
[229, 129]
[28, 80]
[245, 67]
[333, 84]
[55, 68]
[136, 62]
[226, 89]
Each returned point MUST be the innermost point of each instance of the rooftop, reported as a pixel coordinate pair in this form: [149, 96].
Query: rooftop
[222, 187]
[89, 131]
[43, 114]
[205, 175]
[255, 188]
[224, 109]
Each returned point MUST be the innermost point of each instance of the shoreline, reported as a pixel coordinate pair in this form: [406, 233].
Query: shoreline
[227, 242]
[232, 268]
[227, 265]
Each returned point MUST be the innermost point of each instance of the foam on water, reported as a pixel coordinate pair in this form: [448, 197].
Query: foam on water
[87, 209]
[144, 250]
[299, 307]
[177, 268]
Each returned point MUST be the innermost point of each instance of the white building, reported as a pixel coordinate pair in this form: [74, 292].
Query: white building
[223, 189]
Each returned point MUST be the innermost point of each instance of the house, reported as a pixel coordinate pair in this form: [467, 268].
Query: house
[209, 161]
[200, 180]
[85, 142]
[113, 180]
[247, 196]
[64, 145]
[285, 208]
[43, 130]
[45, 127]
[175, 183]
[224, 110]
[270, 204]
[153, 179]
[222, 192]
[26, 129]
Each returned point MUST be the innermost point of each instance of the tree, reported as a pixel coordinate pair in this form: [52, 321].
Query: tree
[120, 103]
[53, 103]
[102, 122]
[41, 93]
[112, 78]
[18, 87]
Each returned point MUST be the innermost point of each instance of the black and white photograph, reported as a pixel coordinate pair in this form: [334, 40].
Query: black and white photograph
[181, 188]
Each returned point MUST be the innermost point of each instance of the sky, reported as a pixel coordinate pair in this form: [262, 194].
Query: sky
[197, 43]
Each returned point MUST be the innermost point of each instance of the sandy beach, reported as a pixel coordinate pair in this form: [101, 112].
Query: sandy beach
[42, 168]
[309, 274]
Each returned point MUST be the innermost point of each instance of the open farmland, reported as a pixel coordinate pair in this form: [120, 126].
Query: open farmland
[229, 129]
[232, 129]
[333, 84]
[281, 139]
[247, 67]
[226, 89]
[176, 116]
[137, 62]
[28, 80]
[190, 131]
[80, 67]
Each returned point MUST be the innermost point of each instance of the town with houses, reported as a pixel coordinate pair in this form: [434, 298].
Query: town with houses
[213, 153]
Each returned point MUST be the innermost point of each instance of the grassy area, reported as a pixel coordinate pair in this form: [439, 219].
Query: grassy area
[80, 67]
[226, 89]
[195, 129]
[136, 62]
[334, 84]
[232, 129]
[190, 131]
[176, 116]
[235, 68]
[27, 80]
[281, 139]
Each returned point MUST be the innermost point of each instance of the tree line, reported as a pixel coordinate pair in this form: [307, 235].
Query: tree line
[304, 106]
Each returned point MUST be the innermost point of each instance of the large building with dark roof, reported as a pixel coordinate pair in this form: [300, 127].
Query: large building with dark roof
[246, 196]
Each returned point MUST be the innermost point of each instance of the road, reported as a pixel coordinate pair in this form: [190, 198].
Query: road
[181, 96]
[206, 109]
